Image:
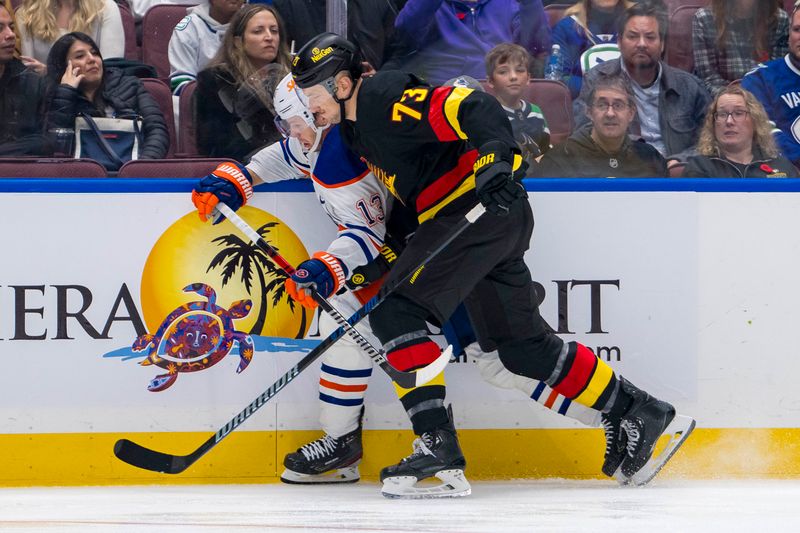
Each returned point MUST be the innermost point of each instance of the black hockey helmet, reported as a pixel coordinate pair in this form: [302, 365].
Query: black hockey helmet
[323, 57]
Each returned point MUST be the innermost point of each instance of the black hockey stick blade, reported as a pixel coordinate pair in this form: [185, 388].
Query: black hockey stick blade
[147, 459]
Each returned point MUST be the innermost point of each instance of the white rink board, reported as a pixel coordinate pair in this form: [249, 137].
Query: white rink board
[704, 315]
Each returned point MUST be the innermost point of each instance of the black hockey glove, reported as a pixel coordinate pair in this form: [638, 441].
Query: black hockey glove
[372, 271]
[494, 178]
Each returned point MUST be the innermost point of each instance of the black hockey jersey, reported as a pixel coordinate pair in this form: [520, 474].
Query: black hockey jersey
[422, 141]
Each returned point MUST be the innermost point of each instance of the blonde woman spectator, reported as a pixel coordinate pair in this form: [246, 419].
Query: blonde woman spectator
[41, 22]
[731, 37]
[736, 141]
[234, 117]
[197, 38]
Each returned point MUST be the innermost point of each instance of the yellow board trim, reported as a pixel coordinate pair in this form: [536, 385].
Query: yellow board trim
[597, 384]
[257, 456]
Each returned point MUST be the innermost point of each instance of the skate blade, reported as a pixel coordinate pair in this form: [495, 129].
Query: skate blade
[678, 431]
[454, 485]
[348, 474]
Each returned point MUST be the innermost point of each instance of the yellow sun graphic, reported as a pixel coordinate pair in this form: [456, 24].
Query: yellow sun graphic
[184, 255]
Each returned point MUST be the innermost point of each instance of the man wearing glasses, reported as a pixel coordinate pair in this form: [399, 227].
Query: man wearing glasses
[671, 103]
[776, 85]
[604, 149]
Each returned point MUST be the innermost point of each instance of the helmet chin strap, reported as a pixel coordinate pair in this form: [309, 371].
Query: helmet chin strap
[318, 137]
[330, 85]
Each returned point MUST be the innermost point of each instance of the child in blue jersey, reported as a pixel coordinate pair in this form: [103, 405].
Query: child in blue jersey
[508, 75]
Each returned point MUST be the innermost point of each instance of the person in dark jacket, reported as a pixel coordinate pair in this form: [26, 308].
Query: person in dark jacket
[604, 149]
[78, 83]
[21, 98]
[736, 141]
[370, 25]
[234, 111]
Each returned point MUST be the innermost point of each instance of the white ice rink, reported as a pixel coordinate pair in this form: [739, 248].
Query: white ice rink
[543, 505]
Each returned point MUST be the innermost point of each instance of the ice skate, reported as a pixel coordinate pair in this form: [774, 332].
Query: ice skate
[436, 454]
[616, 441]
[325, 460]
[645, 422]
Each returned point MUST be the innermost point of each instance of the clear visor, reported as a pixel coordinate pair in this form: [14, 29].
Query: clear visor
[291, 127]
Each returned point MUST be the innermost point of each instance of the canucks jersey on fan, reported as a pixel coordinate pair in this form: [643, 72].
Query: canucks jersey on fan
[776, 84]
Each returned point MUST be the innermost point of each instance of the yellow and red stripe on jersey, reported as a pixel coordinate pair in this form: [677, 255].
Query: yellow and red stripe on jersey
[443, 113]
[447, 187]
[587, 378]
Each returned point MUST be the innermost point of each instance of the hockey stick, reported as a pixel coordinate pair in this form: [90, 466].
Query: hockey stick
[137, 455]
[407, 380]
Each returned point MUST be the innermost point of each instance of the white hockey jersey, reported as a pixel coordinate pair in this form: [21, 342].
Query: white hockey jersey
[194, 42]
[350, 194]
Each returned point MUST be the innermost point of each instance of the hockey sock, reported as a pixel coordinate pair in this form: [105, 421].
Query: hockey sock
[584, 378]
[425, 404]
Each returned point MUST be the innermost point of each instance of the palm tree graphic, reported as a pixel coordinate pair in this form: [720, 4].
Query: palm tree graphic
[246, 257]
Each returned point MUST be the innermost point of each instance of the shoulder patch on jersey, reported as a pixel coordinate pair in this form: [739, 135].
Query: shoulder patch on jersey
[183, 23]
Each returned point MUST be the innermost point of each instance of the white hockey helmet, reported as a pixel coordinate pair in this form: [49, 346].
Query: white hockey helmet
[290, 102]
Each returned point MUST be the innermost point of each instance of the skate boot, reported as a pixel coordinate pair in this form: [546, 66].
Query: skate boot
[645, 421]
[436, 454]
[325, 460]
[616, 441]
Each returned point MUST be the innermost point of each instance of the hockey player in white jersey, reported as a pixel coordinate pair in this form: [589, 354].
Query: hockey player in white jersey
[357, 203]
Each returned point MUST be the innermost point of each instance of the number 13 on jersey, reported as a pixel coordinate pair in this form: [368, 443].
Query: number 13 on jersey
[410, 95]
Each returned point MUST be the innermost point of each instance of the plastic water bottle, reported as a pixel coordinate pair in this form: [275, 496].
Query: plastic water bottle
[553, 69]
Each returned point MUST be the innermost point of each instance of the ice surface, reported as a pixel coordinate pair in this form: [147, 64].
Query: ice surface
[765, 506]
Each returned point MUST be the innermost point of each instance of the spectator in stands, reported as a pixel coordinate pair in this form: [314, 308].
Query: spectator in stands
[604, 149]
[777, 86]
[234, 115]
[78, 83]
[451, 38]
[736, 141]
[587, 35]
[730, 38]
[21, 97]
[197, 38]
[10, 10]
[507, 73]
[671, 103]
[370, 25]
[41, 22]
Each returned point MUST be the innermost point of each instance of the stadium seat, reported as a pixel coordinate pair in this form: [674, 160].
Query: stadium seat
[157, 26]
[170, 168]
[187, 144]
[555, 100]
[132, 50]
[673, 5]
[676, 171]
[163, 97]
[679, 52]
[38, 167]
[555, 12]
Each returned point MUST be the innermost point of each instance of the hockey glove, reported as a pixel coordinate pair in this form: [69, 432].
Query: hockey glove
[230, 183]
[366, 274]
[323, 272]
[494, 180]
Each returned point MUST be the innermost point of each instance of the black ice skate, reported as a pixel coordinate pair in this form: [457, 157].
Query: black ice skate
[325, 460]
[436, 454]
[642, 426]
[616, 441]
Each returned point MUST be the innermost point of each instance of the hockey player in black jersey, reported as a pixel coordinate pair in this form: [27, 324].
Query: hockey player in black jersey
[440, 150]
